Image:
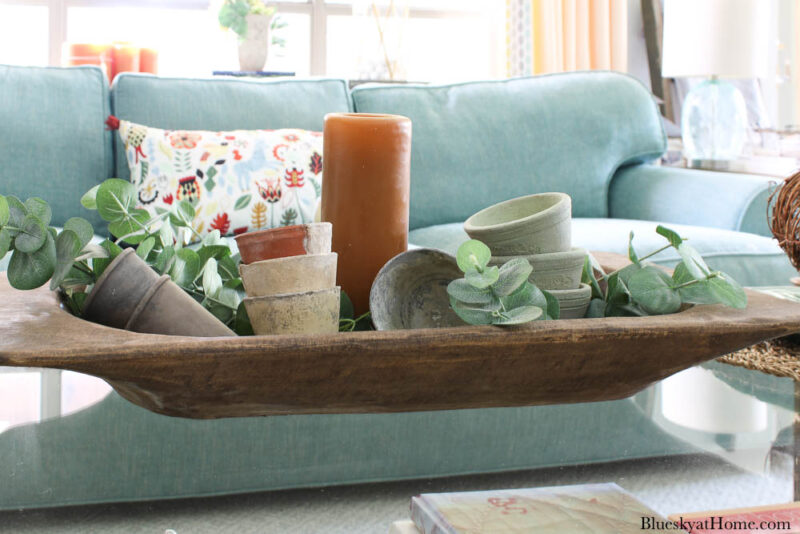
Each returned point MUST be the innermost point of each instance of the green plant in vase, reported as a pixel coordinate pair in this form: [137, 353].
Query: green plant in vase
[497, 295]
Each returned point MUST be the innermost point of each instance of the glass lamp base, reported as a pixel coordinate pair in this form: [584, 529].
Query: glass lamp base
[714, 122]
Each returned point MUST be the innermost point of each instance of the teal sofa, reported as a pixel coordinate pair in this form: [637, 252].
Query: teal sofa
[592, 135]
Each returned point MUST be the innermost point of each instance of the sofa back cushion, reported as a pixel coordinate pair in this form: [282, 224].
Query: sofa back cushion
[222, 104]
[478, 143]
[53, 142]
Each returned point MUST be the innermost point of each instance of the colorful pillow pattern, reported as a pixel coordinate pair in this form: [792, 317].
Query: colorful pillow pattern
[238, 181]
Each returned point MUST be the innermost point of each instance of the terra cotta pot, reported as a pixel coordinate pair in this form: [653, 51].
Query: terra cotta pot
[312, 238]
[132, 296]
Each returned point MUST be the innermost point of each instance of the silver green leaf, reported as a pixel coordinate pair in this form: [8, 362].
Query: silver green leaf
[462, 291]
[651, 288]
[473, 255]
[511, 276]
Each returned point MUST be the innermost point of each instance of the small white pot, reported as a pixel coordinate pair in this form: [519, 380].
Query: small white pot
[556, 270]
[314, 312]
[292, 274]
[254, 47]
[573, 302]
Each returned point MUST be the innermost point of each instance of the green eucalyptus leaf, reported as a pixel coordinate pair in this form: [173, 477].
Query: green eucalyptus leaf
[242, 324]
[473, 255]
[212, 281]
[221, 312]
[463, 291]
[146, 247]
[78, 278]
[651, 288]
[130, 227]
[213, 238]
[185, 211]
[525, 314]
[511, 276]
[32, 270]
[41, 209]
[597, 309]
[228, 297]
[166, 235]
[186, 267]
[68, 246]
[32, 235]
[89, 199]
[527, 295]
[588, 277]
[99, 265]
[472, 315]
[553, 308]
[16, 214]
[693, 261]
[165, 260]
[484, 279]
[82, 228]
[112, 248]
[216, 252]
[671, 235]
[346, 310]
[115, 199]
[5, 213]
[234, 283]
[5, 242]
[631, 252]
[727, 290]
[228, 267]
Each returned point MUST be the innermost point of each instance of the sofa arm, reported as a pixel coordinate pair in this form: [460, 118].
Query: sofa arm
[684, 196]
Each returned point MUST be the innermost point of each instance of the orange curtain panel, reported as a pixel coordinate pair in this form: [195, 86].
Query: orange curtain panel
[563, 35]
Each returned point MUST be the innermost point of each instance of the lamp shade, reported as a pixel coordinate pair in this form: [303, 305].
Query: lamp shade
[726, 38]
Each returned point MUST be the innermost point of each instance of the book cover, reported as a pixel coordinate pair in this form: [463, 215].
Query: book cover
[783, 518]
[589, 509]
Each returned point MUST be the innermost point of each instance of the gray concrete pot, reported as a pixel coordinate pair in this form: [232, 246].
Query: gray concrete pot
[293, 274]
[573, 302]
[410, 291]
[131, 295]
[254, 47]
[534, 224]
[556, 270]
[313, 312]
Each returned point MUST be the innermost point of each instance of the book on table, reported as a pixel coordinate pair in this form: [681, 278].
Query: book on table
[590, 509]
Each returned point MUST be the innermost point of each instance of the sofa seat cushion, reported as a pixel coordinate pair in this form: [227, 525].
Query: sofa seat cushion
[751, 259]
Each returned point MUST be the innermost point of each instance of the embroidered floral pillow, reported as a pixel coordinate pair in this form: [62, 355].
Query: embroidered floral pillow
[239, 181]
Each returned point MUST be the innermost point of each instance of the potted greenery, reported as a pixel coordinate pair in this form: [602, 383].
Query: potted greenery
[209, 299]
[251, 21]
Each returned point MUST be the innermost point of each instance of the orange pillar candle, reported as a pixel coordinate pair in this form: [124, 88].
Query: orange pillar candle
[74, 54]
[124, 58]
[148, 60]
[365, 194]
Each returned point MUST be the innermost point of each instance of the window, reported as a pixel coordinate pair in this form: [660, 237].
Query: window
[441, 39]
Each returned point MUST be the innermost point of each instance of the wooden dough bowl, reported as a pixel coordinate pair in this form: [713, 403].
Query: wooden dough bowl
[545, 362]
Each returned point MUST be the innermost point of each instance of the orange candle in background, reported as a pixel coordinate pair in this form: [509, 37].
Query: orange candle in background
[124, 58]
[74, 54]
[365, 195]
[148, 60]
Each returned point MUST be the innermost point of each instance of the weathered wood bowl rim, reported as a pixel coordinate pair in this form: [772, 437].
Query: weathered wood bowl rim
[545, 362]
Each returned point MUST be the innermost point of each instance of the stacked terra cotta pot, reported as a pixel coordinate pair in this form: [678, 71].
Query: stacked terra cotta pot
[289, 275]
[537, 228]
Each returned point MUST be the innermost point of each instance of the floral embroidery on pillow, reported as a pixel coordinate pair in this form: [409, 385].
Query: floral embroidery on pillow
[238, 181]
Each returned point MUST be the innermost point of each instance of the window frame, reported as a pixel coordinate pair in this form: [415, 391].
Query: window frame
[317, 10]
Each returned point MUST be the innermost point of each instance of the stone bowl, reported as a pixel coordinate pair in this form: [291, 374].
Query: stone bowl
[410, 291]
[573, 302]
[534, 224]
[312, 312]
[555, 270]
[292, 274]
